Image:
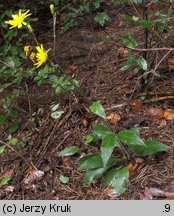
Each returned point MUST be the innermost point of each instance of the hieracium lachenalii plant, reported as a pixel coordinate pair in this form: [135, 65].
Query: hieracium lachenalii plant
[23, 58]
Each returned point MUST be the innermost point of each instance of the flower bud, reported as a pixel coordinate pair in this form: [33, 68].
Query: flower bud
[29, 28]
[52, 9]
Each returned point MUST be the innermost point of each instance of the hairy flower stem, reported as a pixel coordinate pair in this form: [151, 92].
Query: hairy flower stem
[54, 34]
[34, 38]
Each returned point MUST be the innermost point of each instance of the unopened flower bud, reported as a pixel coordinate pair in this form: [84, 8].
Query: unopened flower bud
[29, 28]
[52, 9]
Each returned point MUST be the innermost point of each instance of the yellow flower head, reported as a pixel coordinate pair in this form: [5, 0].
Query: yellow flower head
[52, 9]
[41, 55]
[18, 19]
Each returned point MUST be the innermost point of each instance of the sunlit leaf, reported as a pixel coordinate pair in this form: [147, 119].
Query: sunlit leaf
[119, 179]
[64, 179]
[69, 151]
[98, 109]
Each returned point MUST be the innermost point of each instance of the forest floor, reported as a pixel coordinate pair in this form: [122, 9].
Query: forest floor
[95, 61]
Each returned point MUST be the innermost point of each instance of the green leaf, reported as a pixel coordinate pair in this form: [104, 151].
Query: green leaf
[94, 174]
[14, 112]
[5, 180]
[131, 137]
[97, 3]
[69, 151]
[107, 147]
[142, 63]
[151, 147]
[13, 141]
[88, 139]
[2, 119]
[100, 131]
[125, 67]
[2, 149]
[92, 161]
[131, 19]
[14, 127]
[119, 179]
[98, 109]
[129, 41]
[64, 179]
[101, 18]
[146, 24]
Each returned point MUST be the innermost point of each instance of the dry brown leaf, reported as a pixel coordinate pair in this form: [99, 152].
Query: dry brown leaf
[109, 192]
[157, 192]
[137, 104]
[33, 176]
[170, 62]
[66, 161]
[123, 52]
[9, 189]
[155, 113]
[169, 114]
[163, 123]
[147, 193]
[113, 118]
[7, 173]
[135, 166]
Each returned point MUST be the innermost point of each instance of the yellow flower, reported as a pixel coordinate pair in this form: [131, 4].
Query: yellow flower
[41, 55]
[18, 19]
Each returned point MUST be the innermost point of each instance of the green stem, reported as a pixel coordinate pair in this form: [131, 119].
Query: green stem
[54, 34]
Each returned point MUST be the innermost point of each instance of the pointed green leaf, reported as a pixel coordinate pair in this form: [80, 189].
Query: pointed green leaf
[151, 147]
[98, 109]
[94, 174]
[107, 147]
[5, 180]
[69, 151]
[131, 137]
[93, 161]
[100, 131]
[142, 63]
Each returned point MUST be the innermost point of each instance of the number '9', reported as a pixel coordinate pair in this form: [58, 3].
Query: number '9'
[167, 208]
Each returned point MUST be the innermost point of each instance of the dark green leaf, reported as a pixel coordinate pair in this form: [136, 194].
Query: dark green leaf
[100, 131]
[14, 127]
[69, 151]
[151, 147]
[2, 119]
[94, 174]
[93, 161]
[107, 147]
[146, 24]
[131, 137]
